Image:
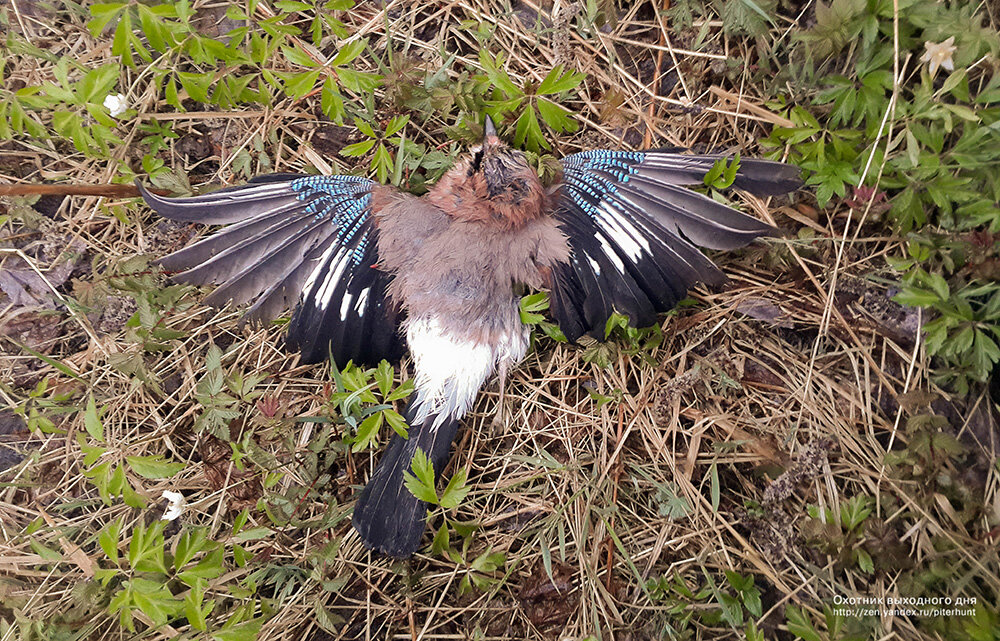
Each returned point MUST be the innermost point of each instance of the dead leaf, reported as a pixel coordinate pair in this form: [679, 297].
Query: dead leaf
[764, 310]
[549, 602]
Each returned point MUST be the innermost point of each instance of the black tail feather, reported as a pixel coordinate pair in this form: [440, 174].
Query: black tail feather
[389, 518]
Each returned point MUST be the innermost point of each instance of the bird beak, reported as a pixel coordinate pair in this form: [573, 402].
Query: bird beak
[489, 129]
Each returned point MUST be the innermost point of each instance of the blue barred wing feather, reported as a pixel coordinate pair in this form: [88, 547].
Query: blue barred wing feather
[307, 242]
[634, 230]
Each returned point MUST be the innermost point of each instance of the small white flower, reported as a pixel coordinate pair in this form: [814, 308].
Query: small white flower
[938, 54]
[175, 507]
[116, 104]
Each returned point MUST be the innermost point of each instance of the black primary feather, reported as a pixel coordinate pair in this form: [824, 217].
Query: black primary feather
[294, 241]
[633, 228]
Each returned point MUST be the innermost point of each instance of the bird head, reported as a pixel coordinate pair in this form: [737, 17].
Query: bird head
[492, 184]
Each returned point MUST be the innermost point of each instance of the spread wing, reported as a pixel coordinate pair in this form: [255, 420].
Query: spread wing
[633, 228]
[291, 239]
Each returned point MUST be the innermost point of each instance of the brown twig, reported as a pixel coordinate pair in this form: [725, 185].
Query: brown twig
[647, 140]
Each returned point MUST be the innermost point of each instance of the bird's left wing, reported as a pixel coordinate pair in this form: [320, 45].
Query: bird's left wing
[291, 238]
[632, 228]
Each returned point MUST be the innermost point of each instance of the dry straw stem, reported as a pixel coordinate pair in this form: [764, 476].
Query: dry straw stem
[564, 480]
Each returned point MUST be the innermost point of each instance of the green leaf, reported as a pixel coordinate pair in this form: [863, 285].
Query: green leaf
[751, 599]
[361, 82]
[397, 123]
[939, 285]
[349, 52]
[715, 491]
[383, 377]
[865, 562]
[108, 539]
[209, 567]
[153, 467]
[456, 490]
[915, 297]
[196, 84]
[800, 625]
[396, 422]
[442, 540]
[47, 553]
[531, 306]
[195, 609]
[92, 420]
[527, 132]
[421, 482]
[555, 83]
[497, 75]
[253, 534]
[368, 432]
[246, 631]
[190, 543]
[298, 57]
[358, 148]
[297, 85]
[556, 116]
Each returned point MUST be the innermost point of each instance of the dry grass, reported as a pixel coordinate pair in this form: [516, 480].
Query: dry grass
[800, 365]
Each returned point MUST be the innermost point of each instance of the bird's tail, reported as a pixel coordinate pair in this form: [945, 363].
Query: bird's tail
[388, 516]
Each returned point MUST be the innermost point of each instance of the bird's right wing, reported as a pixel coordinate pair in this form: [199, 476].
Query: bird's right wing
[633, 228]
[290, 239]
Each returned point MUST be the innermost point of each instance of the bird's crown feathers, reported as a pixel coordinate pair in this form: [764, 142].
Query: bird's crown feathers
[492, 184]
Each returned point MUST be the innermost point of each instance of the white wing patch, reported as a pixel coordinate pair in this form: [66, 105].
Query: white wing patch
[328, 284]
[623, 232]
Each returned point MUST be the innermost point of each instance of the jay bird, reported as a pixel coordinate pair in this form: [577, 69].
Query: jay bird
[372, 271]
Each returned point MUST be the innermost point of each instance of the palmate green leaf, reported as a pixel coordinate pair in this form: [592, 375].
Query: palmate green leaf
[397, 123]
[531, 307]
[146, 548]
[196, 84]
[723, 173]
[155, 600]
[557, 117]
[555, 82]
[191, 542]
[349, 52]
[209, 567]
[421, 482]
[358, 81]
[854, 511]
[800, 624]
[159, 35]
[497, 75]
[528, 133]
[297, 85]
[402, 391]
